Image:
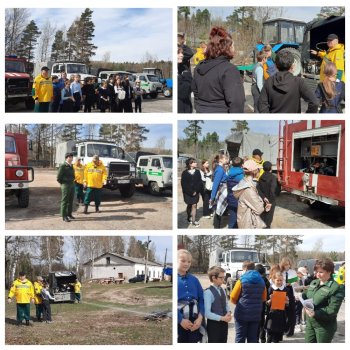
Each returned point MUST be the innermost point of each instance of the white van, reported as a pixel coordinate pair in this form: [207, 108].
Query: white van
[156, 172]
[106, 74]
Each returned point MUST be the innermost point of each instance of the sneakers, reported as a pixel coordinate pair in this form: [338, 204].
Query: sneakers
[195, 224]
[49, 321]
[189, 220]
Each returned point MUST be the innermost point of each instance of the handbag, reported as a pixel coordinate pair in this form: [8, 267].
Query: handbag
[121, 95]
[208, 184]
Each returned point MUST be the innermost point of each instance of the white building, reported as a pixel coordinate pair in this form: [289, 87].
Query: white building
[111, 265]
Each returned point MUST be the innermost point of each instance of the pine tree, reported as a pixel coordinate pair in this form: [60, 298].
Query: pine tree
[240, 125]
[71, 132]
[71, 46]
[59, 47]
[134, 136]
[28, 41]
[228, 242]
[85, 33]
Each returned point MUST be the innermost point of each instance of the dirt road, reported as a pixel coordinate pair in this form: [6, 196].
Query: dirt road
[160, 104]
[298, 336]
[289, 213]
[140, 212]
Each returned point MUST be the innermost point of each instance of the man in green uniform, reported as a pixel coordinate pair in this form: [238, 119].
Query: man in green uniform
[65, 177]
[327, 297]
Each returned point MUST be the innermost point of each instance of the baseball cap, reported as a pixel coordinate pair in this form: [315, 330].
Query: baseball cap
[45, 68]
[251, 165]
[257, 152]
[332, 37]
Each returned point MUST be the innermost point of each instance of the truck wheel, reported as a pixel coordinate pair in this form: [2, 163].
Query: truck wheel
[127, 191]
[154, 188]
[23, 198]
[29, 103]
[297, 59]
[153, 94]
[318, 205]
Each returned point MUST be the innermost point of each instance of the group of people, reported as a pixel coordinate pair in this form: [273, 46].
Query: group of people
[266, 307]
[59, 94]
[84, 181]
[245, 190]
[25, 292]
[217, 85]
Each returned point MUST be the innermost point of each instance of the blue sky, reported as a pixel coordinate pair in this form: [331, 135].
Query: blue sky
[156, 131]
[293, 12]
[222, 127]
[126, 33]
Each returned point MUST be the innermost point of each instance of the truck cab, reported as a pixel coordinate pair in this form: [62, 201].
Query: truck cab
[231, 261]
[18, 174]
[284, 34]
[156, 172]
[150, 84]
[71, 68]
[18, 82]
[61, 285]
[121, 169]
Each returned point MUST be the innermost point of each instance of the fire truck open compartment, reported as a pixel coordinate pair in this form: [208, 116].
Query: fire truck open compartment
[62, 285]
[316, 154]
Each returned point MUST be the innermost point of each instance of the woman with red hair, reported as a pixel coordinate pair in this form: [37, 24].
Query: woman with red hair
[217, 85]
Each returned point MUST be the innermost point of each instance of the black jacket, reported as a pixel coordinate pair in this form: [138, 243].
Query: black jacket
[281, 93]
[184, 79]
[218, 87]
[267, 186]
[191, 183]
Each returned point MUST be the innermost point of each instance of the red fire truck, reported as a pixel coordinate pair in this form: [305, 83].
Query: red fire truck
[17, 172]
[311, 160]
[18, 83]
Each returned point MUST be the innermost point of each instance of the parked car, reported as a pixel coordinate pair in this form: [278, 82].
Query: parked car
[138, 278]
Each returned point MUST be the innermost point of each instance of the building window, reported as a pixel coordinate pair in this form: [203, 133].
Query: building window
[108, 260]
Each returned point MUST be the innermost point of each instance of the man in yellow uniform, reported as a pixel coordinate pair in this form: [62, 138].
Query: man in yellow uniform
[335, 54]
[79, 180]
[95, 176]
[199, 56]
[340, 278]
[43, 91]
[77, 289]
[257, 157]
[23, 291]
[38, 301]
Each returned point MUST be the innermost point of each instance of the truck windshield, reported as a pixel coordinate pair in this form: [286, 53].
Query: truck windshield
[168, 162]
[15, 66]
[270, 34]
[153, 78]
[287, 33]
[10, 144]
[108, 151]
[76, 68]
[299, 33]
[241, 256]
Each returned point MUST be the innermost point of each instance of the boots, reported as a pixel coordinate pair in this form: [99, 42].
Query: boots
[86, 209]
[97, 210]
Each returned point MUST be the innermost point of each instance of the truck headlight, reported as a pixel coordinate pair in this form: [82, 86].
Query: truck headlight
[19, 173]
